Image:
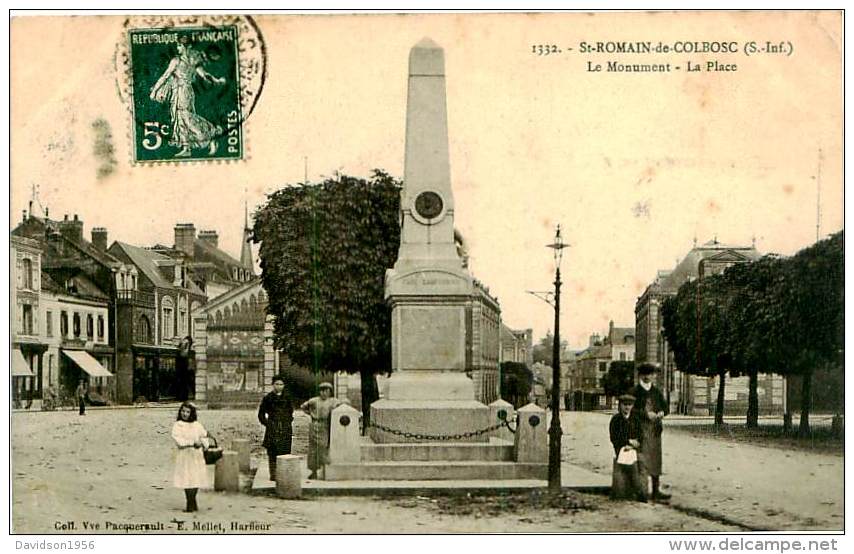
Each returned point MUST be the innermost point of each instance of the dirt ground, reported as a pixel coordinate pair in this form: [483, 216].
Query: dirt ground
[762, 485]
[111, 469]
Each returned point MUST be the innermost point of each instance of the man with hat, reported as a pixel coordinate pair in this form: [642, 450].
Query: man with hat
[276, 414]
[649, 410]
[624, 432]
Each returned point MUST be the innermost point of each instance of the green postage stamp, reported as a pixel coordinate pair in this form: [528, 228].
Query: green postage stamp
[186, 94]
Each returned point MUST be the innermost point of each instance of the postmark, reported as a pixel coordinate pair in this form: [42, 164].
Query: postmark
[190, 83]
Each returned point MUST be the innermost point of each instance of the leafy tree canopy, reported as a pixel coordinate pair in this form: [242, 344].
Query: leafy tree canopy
[324, 251]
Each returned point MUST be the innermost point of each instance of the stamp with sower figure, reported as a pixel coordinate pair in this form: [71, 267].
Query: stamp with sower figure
[191, 89]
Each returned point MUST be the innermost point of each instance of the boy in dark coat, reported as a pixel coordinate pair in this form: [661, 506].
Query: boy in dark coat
[276, 413]
[624, 433]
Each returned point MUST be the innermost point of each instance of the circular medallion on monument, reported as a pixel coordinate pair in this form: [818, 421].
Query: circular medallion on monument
[429, 205]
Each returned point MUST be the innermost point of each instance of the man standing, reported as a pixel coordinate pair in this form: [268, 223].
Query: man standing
[276, 413]
[624, 433]
[81, 396]
[649, 410]
[182, 369]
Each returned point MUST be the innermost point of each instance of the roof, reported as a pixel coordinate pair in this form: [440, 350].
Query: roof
[37, 228]
[48, 284]
[227, 298]
[619, 334]
[82, 285]
[148, 262]
[688, 268]
[204, 250]
[598, 351]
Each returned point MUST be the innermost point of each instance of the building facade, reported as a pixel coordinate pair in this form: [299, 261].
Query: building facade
[74, 311]
[235, 357]
[155, 300]
[483, 322]
[28, 347]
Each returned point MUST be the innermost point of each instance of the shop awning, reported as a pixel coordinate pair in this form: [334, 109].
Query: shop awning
[20, 367]
[87, 363]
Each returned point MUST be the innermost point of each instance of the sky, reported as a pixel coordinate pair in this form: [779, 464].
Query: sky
[634, 166]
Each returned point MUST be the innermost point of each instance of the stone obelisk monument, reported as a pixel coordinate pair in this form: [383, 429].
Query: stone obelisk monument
[428, 288]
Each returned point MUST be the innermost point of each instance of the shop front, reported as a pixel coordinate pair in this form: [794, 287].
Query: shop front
[82, 365]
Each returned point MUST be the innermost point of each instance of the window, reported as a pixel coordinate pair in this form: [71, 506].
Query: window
[143, 330]
[603, 367]
[48, 323]
[28, 273]
[182, 316]
[90, 326]
[100, 327]
[27, 320]
[63, 324]
[622, 356]
[76, 324]
[168, 315]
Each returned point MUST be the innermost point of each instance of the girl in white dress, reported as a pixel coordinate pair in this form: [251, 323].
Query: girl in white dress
[190, 469]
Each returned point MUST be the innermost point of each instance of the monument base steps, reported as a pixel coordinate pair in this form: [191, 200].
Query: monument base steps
[435, 470]
[496, 450]
[573, 477]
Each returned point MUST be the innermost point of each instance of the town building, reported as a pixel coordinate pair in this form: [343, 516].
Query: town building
[686, 393]
[483, 322]
[233, 340]
[517, 345]
[75, 315]
[212, 269]
[591, 364]
[27, 365]
[73, 310]
[155, 303]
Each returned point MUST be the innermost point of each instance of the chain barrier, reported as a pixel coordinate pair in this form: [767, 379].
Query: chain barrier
[454, 437]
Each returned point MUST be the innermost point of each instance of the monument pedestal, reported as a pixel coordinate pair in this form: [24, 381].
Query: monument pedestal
[435, 420]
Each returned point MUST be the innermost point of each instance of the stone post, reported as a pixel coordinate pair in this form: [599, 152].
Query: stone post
[241, 446]
[227, 472]
[532, 445]
[344, 438]
[495, 410]
[289, 476]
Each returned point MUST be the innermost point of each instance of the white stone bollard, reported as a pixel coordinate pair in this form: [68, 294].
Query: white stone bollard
[289, 476]
[532, 445]
[495, 410]
[241, 446]
[345, 439]
[227, 472]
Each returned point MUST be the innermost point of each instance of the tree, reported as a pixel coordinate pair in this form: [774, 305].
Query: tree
[516, 382]
[780, 315]
[810, 307]
[543, 350]
[619, 379]
[752, 324]
[696, 327]
[324, 251]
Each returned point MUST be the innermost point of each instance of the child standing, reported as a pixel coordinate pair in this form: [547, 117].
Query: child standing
[190, 469]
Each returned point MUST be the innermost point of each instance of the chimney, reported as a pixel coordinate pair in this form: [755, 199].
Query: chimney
[71, 229]
[210, 237]
[185, 238]
[99, 238]
[25, 217]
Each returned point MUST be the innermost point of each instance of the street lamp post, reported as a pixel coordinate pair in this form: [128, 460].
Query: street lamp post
[555, 430]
